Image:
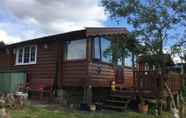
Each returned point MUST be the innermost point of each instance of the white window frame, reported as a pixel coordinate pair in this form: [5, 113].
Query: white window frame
[23, 48]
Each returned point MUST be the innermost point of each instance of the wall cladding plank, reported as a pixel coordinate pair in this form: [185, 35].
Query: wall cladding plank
[101, 75]
[74, 73]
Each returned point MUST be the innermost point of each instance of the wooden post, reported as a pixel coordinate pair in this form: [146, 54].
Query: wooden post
[133, 70]
[87, 97]
[159, 105]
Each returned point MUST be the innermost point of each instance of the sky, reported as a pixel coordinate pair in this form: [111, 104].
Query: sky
[28, 19]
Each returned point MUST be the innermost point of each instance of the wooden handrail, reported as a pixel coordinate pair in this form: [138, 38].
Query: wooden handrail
[154, 81]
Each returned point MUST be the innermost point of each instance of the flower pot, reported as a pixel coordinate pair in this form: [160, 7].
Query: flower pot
[92, 107]
[143, 108]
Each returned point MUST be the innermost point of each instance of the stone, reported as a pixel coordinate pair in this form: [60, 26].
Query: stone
[4, 113]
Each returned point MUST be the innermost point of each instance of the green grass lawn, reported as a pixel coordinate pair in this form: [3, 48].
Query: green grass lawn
[33, 112]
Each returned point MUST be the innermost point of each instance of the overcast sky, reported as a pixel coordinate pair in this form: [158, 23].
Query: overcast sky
[27, 19]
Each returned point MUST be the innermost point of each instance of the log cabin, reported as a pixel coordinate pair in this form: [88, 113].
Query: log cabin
[70, 60]
[75, 63]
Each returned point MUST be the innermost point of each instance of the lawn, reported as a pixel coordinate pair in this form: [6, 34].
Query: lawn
[36, 112]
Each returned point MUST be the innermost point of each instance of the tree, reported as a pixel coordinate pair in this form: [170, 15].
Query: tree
[2, 44]
[151, 19]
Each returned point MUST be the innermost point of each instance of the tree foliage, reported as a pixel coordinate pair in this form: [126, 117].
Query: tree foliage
[151, 19]
[2, 44]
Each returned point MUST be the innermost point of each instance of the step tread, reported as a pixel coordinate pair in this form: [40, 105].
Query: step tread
[120, 96]
[118, 101]
[115, 107]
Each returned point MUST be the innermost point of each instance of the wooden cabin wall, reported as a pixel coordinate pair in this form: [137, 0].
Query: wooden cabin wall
[45, 67]
[128, 78]
[74, 73]
[4, 60]
[101, 75]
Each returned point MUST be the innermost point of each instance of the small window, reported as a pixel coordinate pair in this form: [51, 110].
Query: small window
[26, 55]
[76, 49]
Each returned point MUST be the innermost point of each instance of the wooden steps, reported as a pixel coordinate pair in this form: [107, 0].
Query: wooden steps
[115, 108]
[116, 102]
[120, 99]
[133, 93]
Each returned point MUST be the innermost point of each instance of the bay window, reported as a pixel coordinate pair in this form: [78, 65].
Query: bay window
[75, 49]
[26, 55]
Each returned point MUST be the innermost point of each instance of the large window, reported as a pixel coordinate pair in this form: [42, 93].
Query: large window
[102, 49]
[75, 49]
[26, 55]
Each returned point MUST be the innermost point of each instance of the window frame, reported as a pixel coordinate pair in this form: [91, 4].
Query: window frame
[23, 55]
[66, 50]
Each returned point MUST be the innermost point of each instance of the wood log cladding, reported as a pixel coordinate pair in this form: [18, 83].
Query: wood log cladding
[4, 61]
[101, 75]
[128, 78]
[45, 67]
[74, 73]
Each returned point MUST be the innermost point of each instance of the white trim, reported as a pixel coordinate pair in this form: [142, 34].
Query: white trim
[23, 48]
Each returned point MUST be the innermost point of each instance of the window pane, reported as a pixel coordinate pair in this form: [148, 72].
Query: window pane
[128, 61]
[105, 50]
[20, 55]
[33, 52]
[76, 49]
[97, 48]
[26, 54]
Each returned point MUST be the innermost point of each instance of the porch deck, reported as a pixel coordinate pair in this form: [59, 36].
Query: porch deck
[152, 84]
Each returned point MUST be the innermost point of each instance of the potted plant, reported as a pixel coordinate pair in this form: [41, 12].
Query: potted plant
[142, 106]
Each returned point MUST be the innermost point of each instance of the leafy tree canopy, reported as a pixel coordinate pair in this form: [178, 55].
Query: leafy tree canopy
[2, 44]
[151, 19]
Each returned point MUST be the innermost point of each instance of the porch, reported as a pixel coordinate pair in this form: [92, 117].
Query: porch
[152, 84]
[147, 85]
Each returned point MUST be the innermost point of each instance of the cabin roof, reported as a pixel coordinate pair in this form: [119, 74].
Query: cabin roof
[87, 32]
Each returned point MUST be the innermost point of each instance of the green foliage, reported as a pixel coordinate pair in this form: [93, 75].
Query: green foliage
[178, 50]
[122, 46]
[2, 44]
[142, 100]
[152, 109]
[151, 19]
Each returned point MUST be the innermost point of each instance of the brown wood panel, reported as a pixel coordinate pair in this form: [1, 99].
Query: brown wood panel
[100, 82]
[128, 78]
[74, 73]
[101, 75]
